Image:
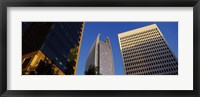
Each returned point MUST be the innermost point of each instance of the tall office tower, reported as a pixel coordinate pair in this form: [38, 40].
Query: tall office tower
[146, 52]
[51, 47]
[100, 59]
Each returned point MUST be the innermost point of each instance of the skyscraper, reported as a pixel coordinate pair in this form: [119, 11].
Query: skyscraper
[146, 52]
[51, 47]
[100, 59]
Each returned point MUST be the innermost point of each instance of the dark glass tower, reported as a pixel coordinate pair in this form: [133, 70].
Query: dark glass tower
[54, 43]
[100, 59]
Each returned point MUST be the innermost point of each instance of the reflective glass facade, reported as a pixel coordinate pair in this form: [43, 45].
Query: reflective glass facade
[59, 41]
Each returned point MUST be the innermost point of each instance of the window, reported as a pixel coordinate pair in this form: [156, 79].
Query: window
[25, 63]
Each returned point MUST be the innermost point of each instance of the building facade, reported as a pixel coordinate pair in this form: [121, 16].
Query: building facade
[146, 52]
[100, 59]
[51, 47]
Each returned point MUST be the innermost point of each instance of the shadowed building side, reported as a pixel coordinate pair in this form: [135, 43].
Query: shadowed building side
[92, 60]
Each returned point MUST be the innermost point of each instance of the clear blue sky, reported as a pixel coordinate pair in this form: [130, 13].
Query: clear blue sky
[111, 30]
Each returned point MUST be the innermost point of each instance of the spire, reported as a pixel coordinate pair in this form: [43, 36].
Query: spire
[107, 40]
[98, 36]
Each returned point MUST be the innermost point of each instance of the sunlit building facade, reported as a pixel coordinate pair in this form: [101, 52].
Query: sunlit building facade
[146, 52]
[100, 59]
[51, 48]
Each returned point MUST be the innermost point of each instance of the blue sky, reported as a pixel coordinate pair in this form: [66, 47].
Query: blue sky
[111, 30]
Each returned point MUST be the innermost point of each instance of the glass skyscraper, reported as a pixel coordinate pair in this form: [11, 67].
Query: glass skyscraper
[51, 47]
[100, 59]
[146, 52]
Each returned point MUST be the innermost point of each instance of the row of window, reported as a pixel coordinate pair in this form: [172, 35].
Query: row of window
[142, 42]
[149, 51]
[147, 35]
[145, 52]
[148, 57]
[145, 55]
[153, 34]
[142, 48]
[152, 66]
[157, 60]
[147, 31]
[140, 38]
[145, 44]
[168, 73]
[154, 73]
[160, 71]
[161, 56]
[139, 42]
[152, 63]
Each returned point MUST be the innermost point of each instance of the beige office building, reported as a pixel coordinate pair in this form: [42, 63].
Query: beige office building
[146, 52]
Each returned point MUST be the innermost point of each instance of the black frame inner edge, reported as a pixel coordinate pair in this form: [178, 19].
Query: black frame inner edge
[89, 3]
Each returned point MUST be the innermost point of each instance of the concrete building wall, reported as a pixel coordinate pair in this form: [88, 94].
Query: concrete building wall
[105, 59]
[146, 52]
[100, 57]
